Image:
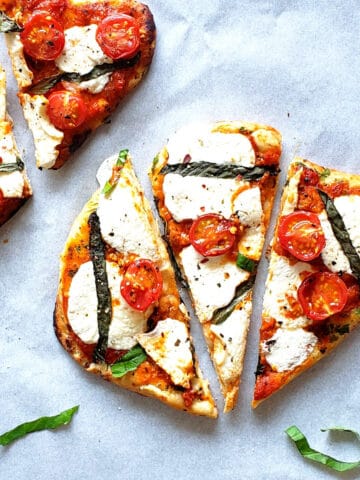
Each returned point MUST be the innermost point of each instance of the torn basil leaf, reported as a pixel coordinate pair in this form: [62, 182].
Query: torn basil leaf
[209, 170]
[112, 182]
[307, 452]
[325, 173]
[8, 25]
[104, 308]
[42, 423]
[245, 263]
[341, 234]
[221, 314]
[129, 362]
[99, 70]
[18, 165]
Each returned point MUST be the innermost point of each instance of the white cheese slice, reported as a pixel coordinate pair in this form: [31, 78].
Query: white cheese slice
[81, 52]
[22, 72]
[188, 197]
[170, 347]
[95, 85]
[282, 283]
[123, 221]
[11, 183]
[349, 207]
[197, 142]
[265, 139]
[230, 342]
[212, 280]
[46, 136]
[287, 349]
[332, 255]
[126, 322]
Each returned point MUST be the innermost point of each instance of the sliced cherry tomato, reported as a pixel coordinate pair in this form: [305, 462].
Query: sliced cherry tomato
[310, 177]
[43, 37]
[118, 36]
[322, 294]
[300, 233]
[212, 235]
[142, 284]
[66, 110]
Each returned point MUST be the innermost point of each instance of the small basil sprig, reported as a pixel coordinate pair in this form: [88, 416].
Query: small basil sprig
[12, 167]
[307, 452]
[129, 362]
[42, 423]
[8, 25]
[111, 183]
[245, 263]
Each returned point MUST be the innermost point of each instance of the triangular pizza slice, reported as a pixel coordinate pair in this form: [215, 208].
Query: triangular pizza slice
[118, 310]
[74, 61]
[214, 186]
[312, 294]
[15, 188]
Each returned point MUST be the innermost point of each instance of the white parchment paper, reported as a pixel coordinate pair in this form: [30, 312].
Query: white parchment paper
[291, 64]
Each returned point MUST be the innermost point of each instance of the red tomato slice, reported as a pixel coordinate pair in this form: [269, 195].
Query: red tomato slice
[212, 235]
[43, 37]
[118, 36]
[66, 110]
[301, 234]
[142, 284]
[322, 294]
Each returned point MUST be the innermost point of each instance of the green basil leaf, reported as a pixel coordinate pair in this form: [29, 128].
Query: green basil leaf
[42, 423]
[8, 25]
[108, 187]
[129, 362]
[122, 157]
[12, 167]
[221, 314]
[325, 173]
[307, 452]
[111, 184]
[210, 170]
[245, 263]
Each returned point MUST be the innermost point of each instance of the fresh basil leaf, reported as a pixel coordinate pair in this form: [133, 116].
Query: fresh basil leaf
[210, 170]
[307, 452]
[129, 362]
[108, 187]
[122, 157]
[221, 314]
[325, 173]
[42, 423]
[48, 83]
[111, 184]
[245, 263]
[341, 234]
[12, 167]
[8, 25]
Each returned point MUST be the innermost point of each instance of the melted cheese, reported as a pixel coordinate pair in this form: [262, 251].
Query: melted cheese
[287, 349]
[281, 285]
[212, 280]
[349, 207]
[265, 139]
[332, 255]
[81, 52]
[199, 143]
[292, 194]
[230, 341]
[123, 221]
[95, 85]
[46, 136]
[22, 73]
[11, 183]
[170, 347]
[126, 322]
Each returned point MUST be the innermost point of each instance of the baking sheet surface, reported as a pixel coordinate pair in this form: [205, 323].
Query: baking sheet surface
[290, 64]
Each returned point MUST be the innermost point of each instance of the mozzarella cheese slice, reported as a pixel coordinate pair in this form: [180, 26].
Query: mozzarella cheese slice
[126, 322]
[230, 342]
[124, 223]
[288, 348]
[81, 52]
[332, 255]
[199, 142]
[281, 290]
[11, 183]
[349, 207]
[170, 347]
[46, 136]
[212, 280]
